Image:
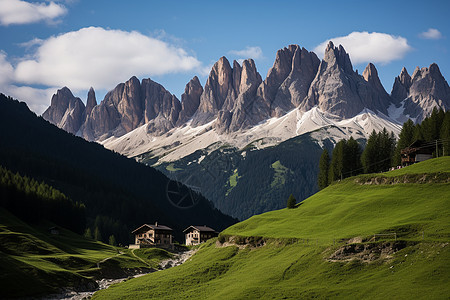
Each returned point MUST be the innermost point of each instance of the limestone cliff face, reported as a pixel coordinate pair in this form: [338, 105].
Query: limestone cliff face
[218, 91]
[66, 111]
[288, 81]
[341, 91]
[401, 86]
[423, 91]
[90, 103]
[228, 95]
[236, 98]
[161, 108]
[190, 100]
[130, 105]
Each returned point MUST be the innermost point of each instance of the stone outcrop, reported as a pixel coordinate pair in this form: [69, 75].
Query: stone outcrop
[161, 108]
[401, 86]
[128, 106]
[341, 91]
[65, 111]
[288, 81]
[228, 95]
[91, 102]
[424, 90]
[190, 100]
[218, 91]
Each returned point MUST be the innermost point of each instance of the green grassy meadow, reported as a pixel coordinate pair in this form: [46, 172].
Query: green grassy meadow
[305, 252]
[34, 262]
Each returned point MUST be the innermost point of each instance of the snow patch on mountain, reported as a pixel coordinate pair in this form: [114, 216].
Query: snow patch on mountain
[180, 142]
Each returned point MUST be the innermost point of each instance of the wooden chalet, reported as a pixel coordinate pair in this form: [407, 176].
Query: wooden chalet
[417, 152]
[153, 236]
[198, 234]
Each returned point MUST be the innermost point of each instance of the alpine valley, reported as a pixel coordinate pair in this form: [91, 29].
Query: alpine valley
[248, 143]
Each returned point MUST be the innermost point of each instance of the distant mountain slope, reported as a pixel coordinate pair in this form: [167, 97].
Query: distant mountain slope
[119, 193]
[325, 248]
[245, 182]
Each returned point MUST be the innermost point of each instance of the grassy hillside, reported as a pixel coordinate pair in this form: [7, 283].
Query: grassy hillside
[324, 248]
[34, 262]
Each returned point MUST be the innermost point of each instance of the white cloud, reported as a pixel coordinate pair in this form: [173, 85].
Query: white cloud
[37, 99]
[22, 12]
[248, 52]
[32, 43]
[101, 58]
[431, 34]
[364, 47]
[6, 70]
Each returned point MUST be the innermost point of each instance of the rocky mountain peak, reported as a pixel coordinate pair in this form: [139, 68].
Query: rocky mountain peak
[417, 73]
[288, 81]
[91, 101]
[338, 56]
[249, 76]
[339, 90]
[220, 92]
[190, 100]
[401, 86]
[423, 91]
[65, 111]
[370, 75]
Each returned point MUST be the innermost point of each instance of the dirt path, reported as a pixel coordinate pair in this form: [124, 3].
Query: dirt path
[103, 260]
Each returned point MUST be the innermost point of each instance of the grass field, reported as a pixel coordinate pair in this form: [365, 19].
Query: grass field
[305, 253]
[34, 262]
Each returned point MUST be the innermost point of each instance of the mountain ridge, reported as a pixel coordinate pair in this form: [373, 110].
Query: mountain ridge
[236, 99]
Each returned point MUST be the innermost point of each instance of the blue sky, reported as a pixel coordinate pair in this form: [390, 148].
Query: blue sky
[46, 45]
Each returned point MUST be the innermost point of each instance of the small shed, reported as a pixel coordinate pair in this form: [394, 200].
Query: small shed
[417, 152]
[198, 234]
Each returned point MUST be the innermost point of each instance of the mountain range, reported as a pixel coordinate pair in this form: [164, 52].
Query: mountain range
[235, 99]
[241, 119]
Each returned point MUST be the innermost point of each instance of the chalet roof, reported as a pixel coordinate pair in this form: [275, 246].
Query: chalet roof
[154, 227]
[419, 146]
[200, 228]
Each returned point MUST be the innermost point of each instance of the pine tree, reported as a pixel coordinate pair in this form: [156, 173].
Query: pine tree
[88, 233]
[336, 168]
[291, 201]
[97, 234]
[324, 164]
[369, 155]
[445, 134]
[112, 240]
[352, 158]
[405, 139]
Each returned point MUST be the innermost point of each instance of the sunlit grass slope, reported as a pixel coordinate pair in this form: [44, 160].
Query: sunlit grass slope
[348, 209]
[295, 260]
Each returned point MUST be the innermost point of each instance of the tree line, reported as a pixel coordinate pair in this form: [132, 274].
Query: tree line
[382, 150]
[35, 201]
